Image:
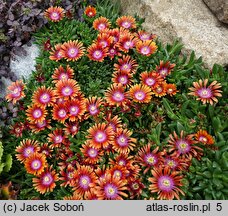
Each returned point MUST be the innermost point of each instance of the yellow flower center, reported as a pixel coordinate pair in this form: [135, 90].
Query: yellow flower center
[122, 79]
[97, 53]
[67, 90]
[204, 92]
[61, 112]
[151, 160]
[100, 136]
[204, 139]
[170, 90]
[72, 51]
[122, 140]
[63, 76]
[111, 191]
[125, 66]
[73, 109]
[15, 91]
[84, 182]
[74, 128]
[159, 89]
[93, 108]
[166, 183]
[183, 145]
[54, 14]
[117, 174]
[145, 49]
[46, 179]
[35, 164]
[121, 163]
[135, 186]
[128, 43]
[171, 163]
[28, 151]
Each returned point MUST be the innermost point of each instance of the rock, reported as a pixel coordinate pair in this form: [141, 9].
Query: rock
[22, 65]
[191, 21]
[219, 8]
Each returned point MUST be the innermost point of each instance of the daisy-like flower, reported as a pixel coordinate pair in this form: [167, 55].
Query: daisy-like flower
[104, 40]
[140, 93]
[60, 73]
[146, 48]
[76, 109]
[148, 158]
[26, 148]
[67, 88]
[84, 177]
[184, 146]
[174, 162]
[204, 137]
[126, 42]
[60, 113]
[55, 54]
[90, 11]
[118, 171]
[126, 64]
[151, 79]
[145, 36]
[122, 159]
[43, 96]
[135, 186]
[93, 105]
[67, 176]
[35, 163]
[91, 155]
[124, 78]
[54, 14]
[204, 93]
[15, 91]
[17, 129]
[110, 188]
[114, 122]
[45, 182]
[46, 150]
[36, 113]
[164, 68]
[123, 142]
[71, 128]
[115, 95]
[127, 22]
[39, 126]
[101, 23]
[72, 50]
[171, 89]
[166, 183]
[97, 53]
[160, 90]
[100, 135]
[57, 137]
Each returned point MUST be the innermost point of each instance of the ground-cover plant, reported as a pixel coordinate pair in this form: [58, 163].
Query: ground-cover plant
[111, 113]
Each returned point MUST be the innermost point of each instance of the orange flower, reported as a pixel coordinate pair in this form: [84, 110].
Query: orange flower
[146, 48]
[57, 137]
[104, 40]
[97, 53]
[35, 163]
[15, 91]
[101, 23]
[184, 146]
[39, 126]
[100, 135]
[203, 137]
[166, 183]
[110, 188]
[140, 93]
[76, 109]
[122, 142]
[126, 42]
[115, 95]
[124, 78]
[71, 129]
[55, 54]
[151, 79]
[90, 11]
[171, 89]
[45, 182]
[148, 158]
[160, 89]
[55, 14]
[127, 22]
[43, 96]
[126, 64]
[115, 122]
[67, 177]
[60, 112]
[135, 187]
[26, 148]
[60, 73]
[145, 36]
[67, 88]
[83, 178]
[118, 171]
[17, 129]
[164, 68]
[36, 113]
[93, 105]
[204, 93]
[72, 50]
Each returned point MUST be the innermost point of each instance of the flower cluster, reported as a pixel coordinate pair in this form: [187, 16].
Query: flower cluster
[84, 143]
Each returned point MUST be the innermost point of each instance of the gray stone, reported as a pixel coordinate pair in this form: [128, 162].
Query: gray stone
[21, 65]
[219, 8]
[191, 21]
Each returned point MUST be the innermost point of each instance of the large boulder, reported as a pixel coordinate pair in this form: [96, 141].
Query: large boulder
[219, 8]
[191, 21]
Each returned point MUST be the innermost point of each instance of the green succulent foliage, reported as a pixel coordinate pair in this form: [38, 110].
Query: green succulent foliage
[7, 164]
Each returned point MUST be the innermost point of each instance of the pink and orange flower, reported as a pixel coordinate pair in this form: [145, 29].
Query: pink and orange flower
[36, 113]
[127, 22]
[101, 23]
[60, 73]
[164, 68]
[126, 65]
[96, 52]
[90, 11]
[204, 137]
[54, 14]
[140, 93]
[55, 54]
[146, 48]
[151, 79]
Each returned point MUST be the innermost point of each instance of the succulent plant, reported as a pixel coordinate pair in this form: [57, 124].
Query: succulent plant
[4, 166]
